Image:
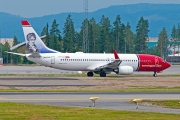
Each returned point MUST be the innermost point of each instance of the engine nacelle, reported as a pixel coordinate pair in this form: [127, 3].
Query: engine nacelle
[125, 70]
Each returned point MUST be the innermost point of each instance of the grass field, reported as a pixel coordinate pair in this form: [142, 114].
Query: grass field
[165, 103]
[21, 111]
[85, 89]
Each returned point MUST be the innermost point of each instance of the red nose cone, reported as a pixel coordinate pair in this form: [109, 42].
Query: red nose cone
[167, 65]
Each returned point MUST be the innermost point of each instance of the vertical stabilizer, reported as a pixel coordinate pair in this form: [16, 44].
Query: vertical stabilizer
[34, 43]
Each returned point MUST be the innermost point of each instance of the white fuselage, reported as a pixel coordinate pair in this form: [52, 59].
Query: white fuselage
[82, 61]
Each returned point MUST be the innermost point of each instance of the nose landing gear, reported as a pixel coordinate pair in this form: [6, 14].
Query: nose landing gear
[155, 74]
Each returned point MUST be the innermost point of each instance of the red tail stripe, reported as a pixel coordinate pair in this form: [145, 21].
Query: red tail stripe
[25, 22]
[116, 55]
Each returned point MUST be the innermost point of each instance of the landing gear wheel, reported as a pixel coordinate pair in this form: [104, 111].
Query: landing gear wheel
[155, 74]
[102, 74]
[90, 74]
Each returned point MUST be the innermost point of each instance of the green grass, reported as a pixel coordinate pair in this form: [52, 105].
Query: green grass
[21, 111]
[165, 103]
[85, 89]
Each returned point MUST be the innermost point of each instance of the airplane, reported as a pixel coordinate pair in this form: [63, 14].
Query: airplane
[98, 63]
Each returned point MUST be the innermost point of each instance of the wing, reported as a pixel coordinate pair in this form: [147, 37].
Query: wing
[110, 66]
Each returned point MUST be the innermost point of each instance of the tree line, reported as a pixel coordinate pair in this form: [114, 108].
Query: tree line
[103, 37]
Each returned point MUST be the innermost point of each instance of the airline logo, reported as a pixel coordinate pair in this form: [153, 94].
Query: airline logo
[64, 57]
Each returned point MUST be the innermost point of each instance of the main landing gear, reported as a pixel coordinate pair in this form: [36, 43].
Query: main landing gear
[102, 74]
[90, 74]
[155, 74]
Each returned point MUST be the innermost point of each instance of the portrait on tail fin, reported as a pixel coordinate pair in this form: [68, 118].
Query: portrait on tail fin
[31, 46]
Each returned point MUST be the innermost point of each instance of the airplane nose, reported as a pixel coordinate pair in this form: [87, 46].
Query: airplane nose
[167, 65]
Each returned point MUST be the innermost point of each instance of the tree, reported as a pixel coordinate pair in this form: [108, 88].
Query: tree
[129, 39]
[6, 57]
[116, 33]
[69, 35]
[178, 37]
[93, 36]
[105, 35]
[45, 32]
[141, 36]
[163, 43]
[14, 58]
[54, 37]
[174, 37]
[15, 41]
[78, 39]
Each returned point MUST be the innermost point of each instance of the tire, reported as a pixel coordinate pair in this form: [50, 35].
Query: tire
[90, 74]
[155, 74]
[102, 74]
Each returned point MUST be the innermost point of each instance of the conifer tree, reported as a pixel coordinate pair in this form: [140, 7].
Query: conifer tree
[129, 39]
[93, 36]
[105, 35]
[141, 36]
[54, 37]
[14, 58]
[69, 35]
[163, 43]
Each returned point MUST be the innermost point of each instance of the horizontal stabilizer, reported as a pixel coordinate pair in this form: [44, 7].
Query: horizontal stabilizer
[20, 54]
[34, 55]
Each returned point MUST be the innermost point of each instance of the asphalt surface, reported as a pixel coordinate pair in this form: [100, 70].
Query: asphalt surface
[42, 81]
[174, 69]
[114, 101]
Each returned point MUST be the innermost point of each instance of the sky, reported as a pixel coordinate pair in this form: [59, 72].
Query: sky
[38, 8]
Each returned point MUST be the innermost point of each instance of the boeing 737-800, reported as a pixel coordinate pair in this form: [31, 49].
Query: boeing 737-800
[97, 63]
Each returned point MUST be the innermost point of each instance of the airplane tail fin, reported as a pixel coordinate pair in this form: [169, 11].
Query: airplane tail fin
[34, 43]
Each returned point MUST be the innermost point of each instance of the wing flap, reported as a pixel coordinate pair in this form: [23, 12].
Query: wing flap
[110, 66]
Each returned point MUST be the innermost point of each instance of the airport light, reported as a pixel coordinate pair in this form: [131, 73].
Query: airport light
[93, 99]
[137, 101]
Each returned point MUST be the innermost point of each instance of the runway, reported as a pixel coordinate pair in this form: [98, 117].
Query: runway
[20, 81]
[114, 101]
[174, 69]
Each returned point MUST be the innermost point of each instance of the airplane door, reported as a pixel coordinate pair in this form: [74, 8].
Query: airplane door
[52, 60]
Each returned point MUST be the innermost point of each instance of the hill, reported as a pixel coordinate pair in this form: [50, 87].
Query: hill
[158, 15]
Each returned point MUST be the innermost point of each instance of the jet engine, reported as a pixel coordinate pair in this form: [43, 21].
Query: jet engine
[125, 70]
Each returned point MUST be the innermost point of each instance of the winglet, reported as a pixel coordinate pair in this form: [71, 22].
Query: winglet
[116, 55]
